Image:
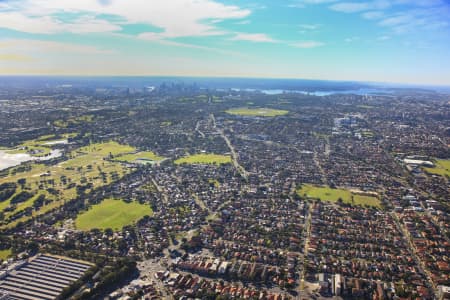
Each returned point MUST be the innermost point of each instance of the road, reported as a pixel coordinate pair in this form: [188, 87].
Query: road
[319, 167]
[234, 155]
[414, 252]
[161, 191]
[197, 128]
[301, 286]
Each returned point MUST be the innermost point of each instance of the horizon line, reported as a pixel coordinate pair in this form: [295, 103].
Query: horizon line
[227, 77]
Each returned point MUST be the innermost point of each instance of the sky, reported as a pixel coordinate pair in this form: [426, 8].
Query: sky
[399, 41]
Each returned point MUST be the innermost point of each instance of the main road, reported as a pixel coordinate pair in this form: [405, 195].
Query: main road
[234, 155]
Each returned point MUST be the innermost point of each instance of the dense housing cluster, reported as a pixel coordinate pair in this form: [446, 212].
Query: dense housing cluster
[246, 194]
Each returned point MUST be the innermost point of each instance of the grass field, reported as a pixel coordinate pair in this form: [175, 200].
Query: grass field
[442, 168]
[211, 159]
[215, 182]
[333, 195]
[86, 165]
[142, 157]
[4, 254]
[257, 112]
[113, 214]
[73, 121]
[35, 148]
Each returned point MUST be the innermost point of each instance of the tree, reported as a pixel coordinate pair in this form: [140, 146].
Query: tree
[33, 248]
[22, 182]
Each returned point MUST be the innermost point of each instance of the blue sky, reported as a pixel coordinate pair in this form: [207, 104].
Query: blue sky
[402, 41]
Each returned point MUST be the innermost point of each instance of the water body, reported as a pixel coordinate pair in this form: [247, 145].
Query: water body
[362, 91]
[8, 160]
[60, 142]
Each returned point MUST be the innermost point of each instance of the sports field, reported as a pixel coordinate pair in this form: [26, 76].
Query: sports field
[112, 213]
[325, 193]
[442, 167]
[257, 112]
[210, 159]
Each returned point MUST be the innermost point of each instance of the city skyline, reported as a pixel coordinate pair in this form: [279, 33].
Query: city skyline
[400, 41]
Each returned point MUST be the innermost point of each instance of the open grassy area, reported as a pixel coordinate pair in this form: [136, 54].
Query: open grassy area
[113, 214]
[214, 182]
[4, 254]
[212, 159]
[139, 157]
[74, 121]
[442, 167]
[34, 148]
[86, 166]
[325, 193]
[257, 112]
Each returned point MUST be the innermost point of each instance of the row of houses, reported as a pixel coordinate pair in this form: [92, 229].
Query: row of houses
[187, 286]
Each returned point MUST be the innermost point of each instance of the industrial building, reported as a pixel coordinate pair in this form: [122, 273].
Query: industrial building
[42, 277]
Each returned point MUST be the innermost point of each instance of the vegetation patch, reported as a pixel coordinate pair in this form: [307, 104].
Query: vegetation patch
[214, 182]
[210, 159]
[74, 121]
[112, 213]
[442, 167]
[367, 134]
[87, 168]
[7, 190]
[325, 193]
[35, 150]
[257, 112]
[4, 254]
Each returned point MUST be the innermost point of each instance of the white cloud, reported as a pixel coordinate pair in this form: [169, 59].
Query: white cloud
[90, 25]
[397, 20]
[19, 22]
[156, 38]
[373, 15]
[352, 39]
[11, 57]
[304, 3]
[310, 26]
[307, 44]
[318, 1]
[383, 38]
[404, 17]
[33, 46]
[350, 7]
[417, 19]
[422, 3]
[177, 18]
[51, 25]
[315, 1]
[353, 7]
[296, 5]
[253, 37]
[244, 22]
